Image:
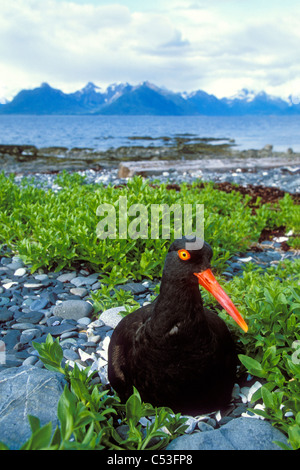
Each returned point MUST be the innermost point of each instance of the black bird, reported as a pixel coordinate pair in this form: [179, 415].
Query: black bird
[177, 353]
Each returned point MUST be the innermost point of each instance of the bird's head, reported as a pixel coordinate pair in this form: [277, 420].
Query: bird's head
[188, 260]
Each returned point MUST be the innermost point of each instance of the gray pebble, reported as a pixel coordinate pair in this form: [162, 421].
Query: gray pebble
[41, 277]
[30, 317]
[5, 315]
[73, 309]
[96, 286]
[30, 334]
[59, 329]
[39, 304]
[133, 287]
[84, 321]
[4, 301]
[68, 342]
[236, 392]
[70, 354]
[68, 334]
[22, 326]
[204, 426]
[15, 265]
[94, 339]
[83, 281]
[225, 420]
[67, 277]
[80, 291]
[30, 361]
[112, 316]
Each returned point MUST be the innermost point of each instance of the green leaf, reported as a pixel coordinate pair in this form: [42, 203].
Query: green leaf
[134, 408]
[3, 446]
[65, 412]
[56, 438]
[51, 353]
[267, 397]
[34, 422]
[253, 366]
[282, 445]
[40, 438]
[294, 436]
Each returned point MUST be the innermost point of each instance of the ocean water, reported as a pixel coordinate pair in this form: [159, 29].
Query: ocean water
[104, 132]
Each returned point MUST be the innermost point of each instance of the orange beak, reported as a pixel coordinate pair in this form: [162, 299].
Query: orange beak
[209, 282]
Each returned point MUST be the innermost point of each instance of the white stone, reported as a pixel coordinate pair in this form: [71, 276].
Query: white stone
[112, 316]
[280, 239]
[41, 277]
[20, 272]
[254, 389]
[8, 285]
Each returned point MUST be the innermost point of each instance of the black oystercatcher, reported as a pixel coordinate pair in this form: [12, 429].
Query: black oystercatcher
[177, 353]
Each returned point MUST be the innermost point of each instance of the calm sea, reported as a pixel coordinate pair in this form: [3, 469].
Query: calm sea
[103, 132]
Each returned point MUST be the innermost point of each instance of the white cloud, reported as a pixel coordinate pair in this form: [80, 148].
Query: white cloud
[183, 45]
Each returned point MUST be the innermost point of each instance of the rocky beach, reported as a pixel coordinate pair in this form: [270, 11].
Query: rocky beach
[34, 305]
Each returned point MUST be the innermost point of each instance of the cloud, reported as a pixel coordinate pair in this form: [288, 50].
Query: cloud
[181, 45]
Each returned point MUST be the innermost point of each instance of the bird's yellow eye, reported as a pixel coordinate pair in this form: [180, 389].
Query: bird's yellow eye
[184, 255]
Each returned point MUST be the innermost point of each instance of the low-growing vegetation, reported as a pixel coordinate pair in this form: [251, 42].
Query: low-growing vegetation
[90, 415]
[57, 230]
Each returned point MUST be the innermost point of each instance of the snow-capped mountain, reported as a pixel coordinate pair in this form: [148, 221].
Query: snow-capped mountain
[250, 102]
[89, 97]
[243, 95]
[145, 98]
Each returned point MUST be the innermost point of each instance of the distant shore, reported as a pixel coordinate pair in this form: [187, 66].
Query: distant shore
[28, 159]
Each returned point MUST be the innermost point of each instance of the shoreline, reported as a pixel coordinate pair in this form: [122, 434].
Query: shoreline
[28, 159]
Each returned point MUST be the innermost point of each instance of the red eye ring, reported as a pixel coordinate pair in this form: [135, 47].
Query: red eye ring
[184, 255]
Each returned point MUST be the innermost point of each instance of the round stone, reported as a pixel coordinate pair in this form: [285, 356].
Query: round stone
[4, 301]
[15, 265]
[5, 315]
[73, 309]
[84, 321]
[112, 316]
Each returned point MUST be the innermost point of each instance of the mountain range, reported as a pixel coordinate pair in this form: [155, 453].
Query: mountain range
[143, 99]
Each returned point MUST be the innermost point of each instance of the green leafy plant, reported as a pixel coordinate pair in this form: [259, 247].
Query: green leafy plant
[89, 415]
[272, 308]
[58, 229]
[107, 297]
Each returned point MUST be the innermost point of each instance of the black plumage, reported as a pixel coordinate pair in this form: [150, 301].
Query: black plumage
[174, 351]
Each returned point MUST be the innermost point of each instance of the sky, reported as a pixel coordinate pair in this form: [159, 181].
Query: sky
[219, 46]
